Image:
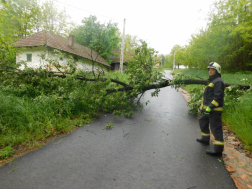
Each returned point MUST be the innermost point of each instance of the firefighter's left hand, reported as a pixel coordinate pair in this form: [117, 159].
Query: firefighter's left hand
[207, 112]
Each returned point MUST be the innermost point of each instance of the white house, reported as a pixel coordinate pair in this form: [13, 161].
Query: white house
[45, 42]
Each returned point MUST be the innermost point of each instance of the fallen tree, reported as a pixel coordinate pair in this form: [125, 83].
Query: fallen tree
[113, 94]
[39, 103]
[168, 82]
[163, 82]
[205, 82]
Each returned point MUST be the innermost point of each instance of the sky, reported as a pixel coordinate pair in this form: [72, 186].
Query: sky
[161, 23]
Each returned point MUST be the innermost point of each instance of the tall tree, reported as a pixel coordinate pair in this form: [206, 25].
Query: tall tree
[16, 21]
[103, 38]
[52, 19]
[18, 17]
[226, 39]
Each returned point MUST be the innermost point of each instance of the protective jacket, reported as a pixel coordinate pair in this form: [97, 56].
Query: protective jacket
[213, 95]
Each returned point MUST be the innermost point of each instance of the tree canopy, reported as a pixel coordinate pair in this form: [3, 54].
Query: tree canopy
[52, 19]
[20, 18]
[103, 38]
[131, 42]
[227, 39]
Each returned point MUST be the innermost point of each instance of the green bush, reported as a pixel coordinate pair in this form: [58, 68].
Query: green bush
[38, 108]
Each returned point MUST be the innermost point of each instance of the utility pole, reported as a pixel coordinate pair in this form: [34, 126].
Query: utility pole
[174, 61]
[122, 50]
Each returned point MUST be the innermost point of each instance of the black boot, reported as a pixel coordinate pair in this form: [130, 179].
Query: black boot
[213, 153]
[218, 149]
[203, 140]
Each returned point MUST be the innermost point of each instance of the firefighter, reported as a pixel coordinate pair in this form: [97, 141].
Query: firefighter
[211, 110]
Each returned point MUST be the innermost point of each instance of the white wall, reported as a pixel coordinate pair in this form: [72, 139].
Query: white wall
[38, 62]
[87, 65]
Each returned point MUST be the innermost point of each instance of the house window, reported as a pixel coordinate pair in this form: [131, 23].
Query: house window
[28, 57]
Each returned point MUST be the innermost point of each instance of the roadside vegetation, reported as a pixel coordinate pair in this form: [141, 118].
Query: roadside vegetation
[36, 104]
[35, 108]
[237, 102]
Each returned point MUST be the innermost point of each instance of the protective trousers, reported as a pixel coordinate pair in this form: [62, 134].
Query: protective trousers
[215, 121]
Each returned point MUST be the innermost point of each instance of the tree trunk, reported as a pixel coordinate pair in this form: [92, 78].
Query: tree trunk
[167, 82]
[204, 82]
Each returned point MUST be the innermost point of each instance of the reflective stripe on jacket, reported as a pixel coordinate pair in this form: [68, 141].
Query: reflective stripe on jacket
[213, 95]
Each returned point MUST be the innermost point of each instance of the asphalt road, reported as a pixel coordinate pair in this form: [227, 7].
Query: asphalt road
[155, 149]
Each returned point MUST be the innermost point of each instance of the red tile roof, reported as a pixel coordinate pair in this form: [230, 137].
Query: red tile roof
[45, 38]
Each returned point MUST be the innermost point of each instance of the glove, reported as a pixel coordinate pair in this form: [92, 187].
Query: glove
[207, 112]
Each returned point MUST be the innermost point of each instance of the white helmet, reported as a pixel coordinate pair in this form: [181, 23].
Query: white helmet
[215, 66]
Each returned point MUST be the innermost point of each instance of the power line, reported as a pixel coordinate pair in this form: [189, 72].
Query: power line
[87, 10]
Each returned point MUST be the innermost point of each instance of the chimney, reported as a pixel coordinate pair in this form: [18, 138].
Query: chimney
[71, 41]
